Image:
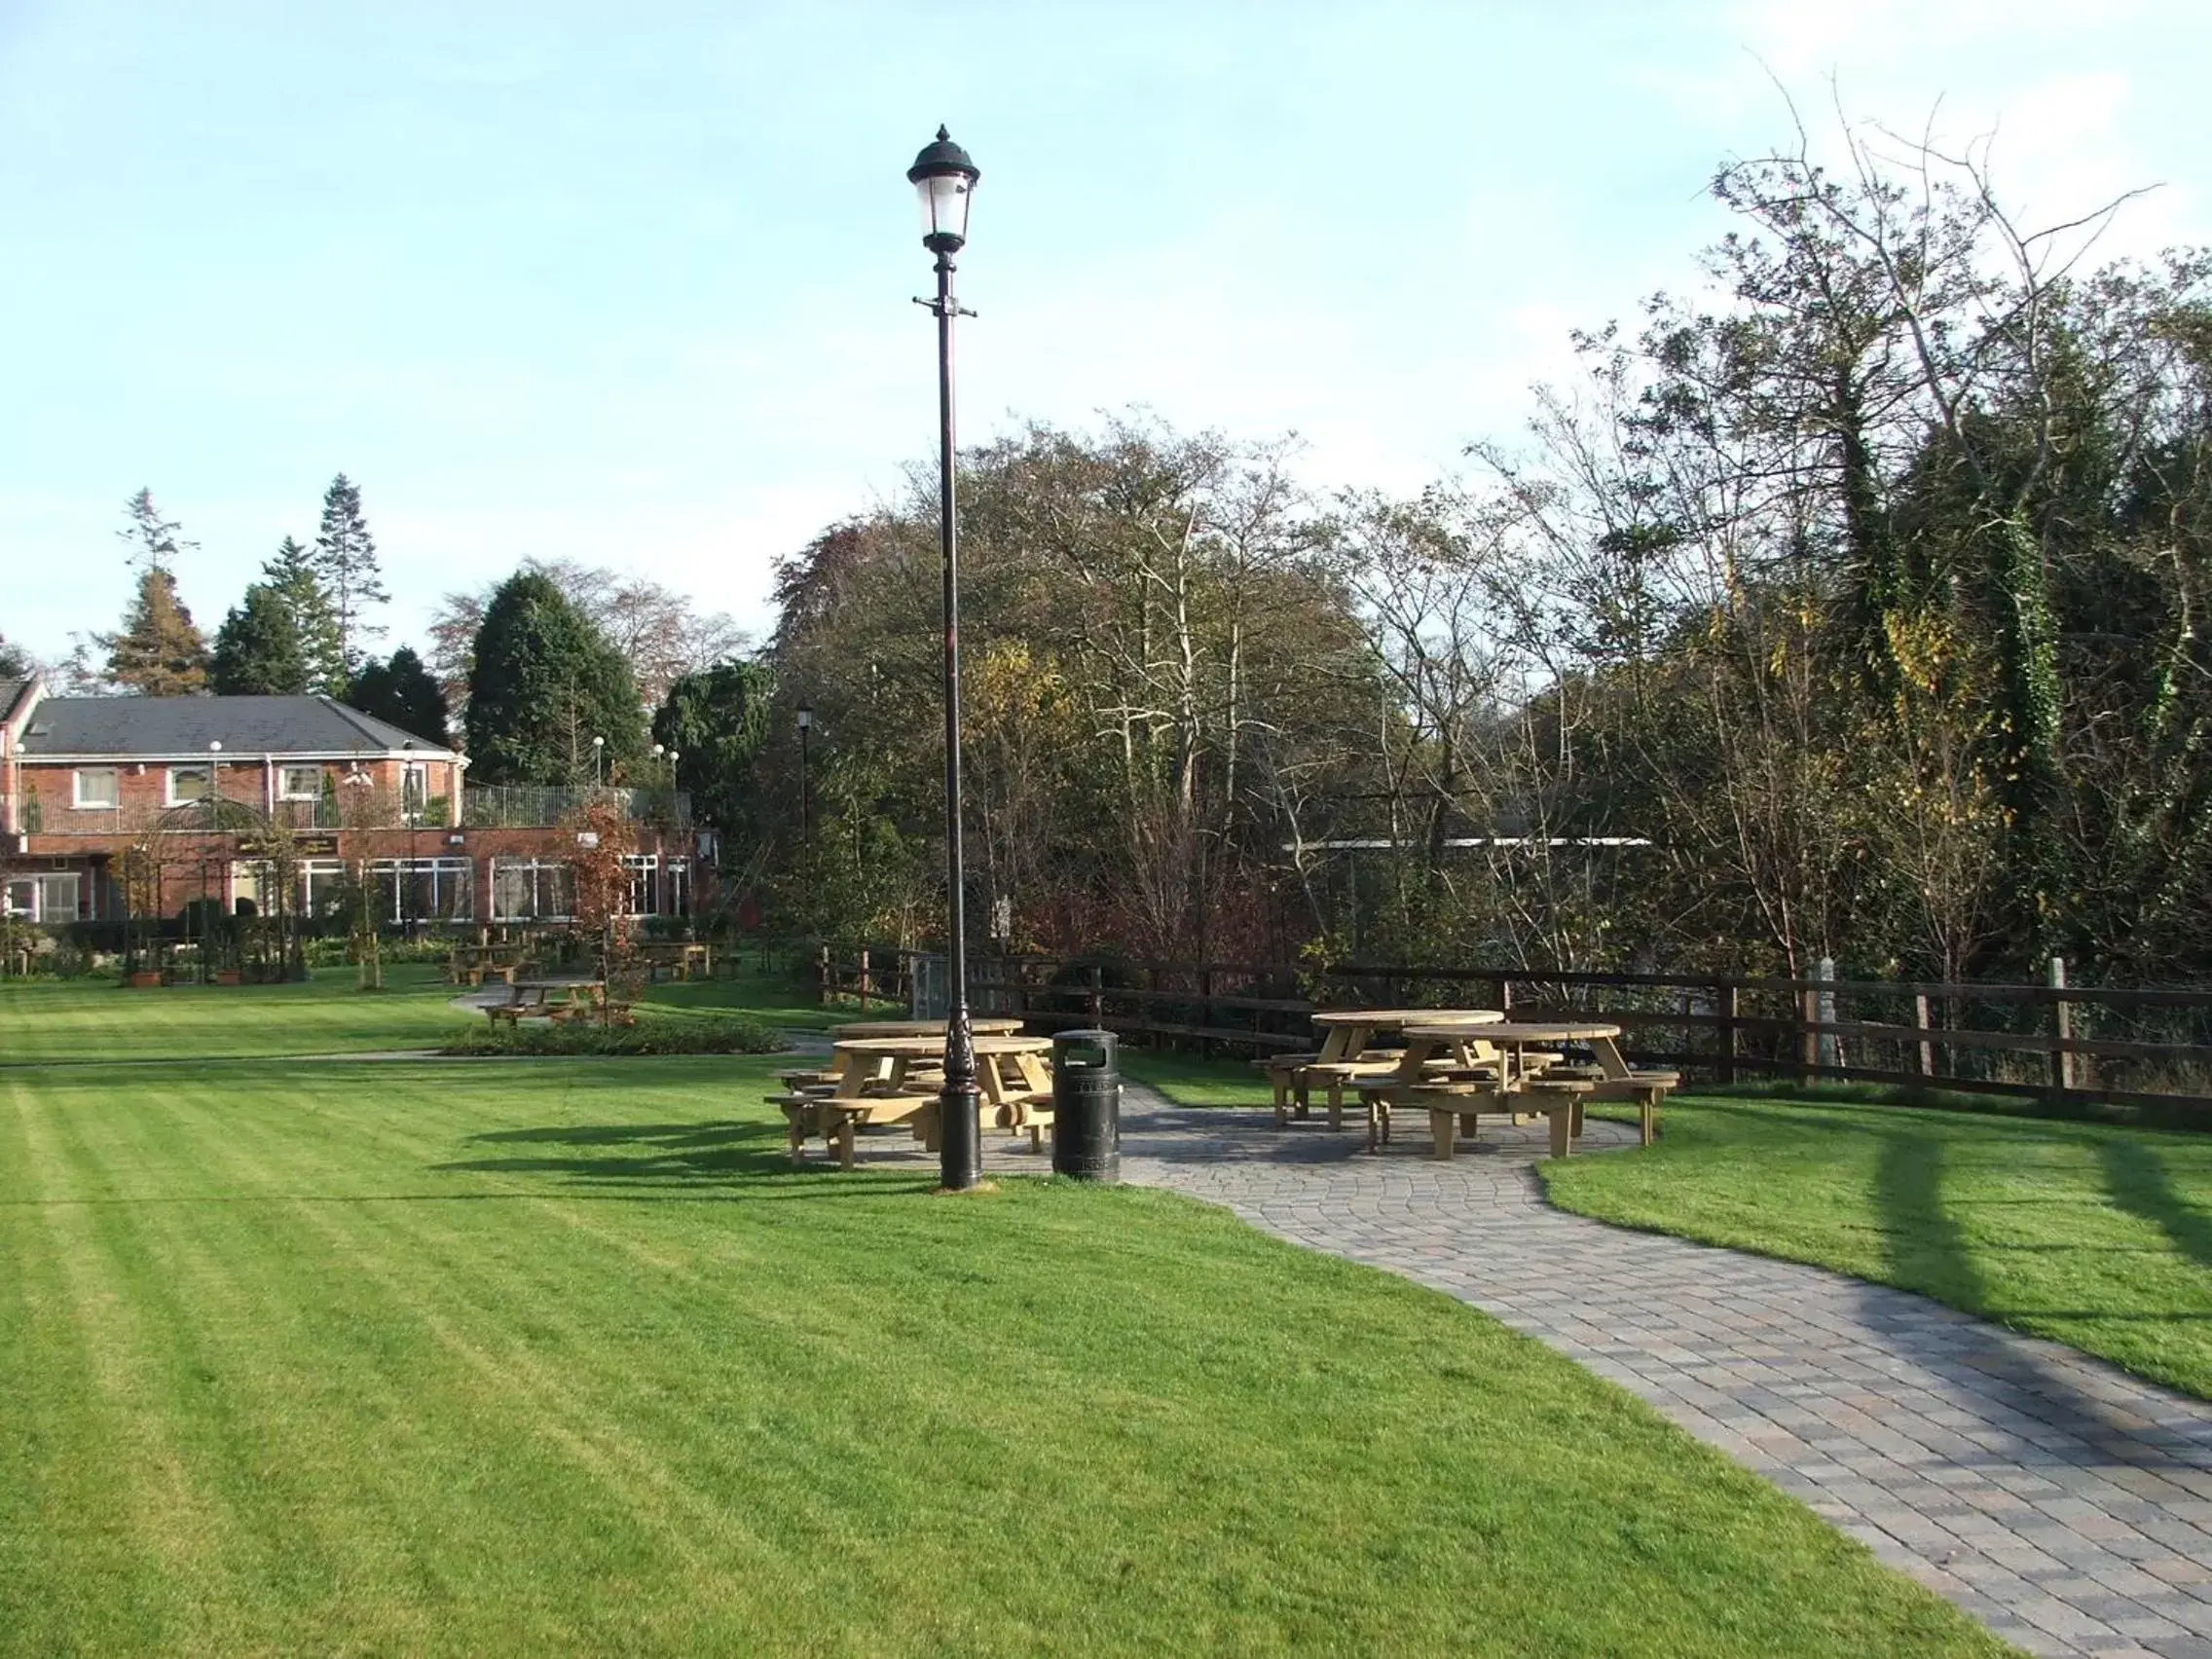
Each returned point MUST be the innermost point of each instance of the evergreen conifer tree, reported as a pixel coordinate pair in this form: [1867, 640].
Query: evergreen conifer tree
[716, 721]
[294, 579]
[14, 662]
[544, 684]
[403, 693]
[346, 558]
[158, 653]
[257, 649]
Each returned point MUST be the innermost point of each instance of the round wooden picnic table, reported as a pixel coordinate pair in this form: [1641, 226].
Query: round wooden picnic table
[992, 1024]
[1389, 1016]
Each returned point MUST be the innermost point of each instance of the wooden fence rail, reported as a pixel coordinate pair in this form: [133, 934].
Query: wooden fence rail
[1719, 1026]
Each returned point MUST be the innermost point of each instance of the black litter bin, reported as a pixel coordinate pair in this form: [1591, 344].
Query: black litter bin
[1087, 1106]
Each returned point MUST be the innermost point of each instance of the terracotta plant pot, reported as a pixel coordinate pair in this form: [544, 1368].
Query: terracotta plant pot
[144, 981]
[226, 975]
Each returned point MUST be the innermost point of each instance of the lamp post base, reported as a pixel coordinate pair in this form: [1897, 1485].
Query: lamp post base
[959, 1108]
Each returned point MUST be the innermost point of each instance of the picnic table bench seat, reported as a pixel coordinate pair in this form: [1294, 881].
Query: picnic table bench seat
[1453, 1109]
[1294, 1076]
[1031, 1111]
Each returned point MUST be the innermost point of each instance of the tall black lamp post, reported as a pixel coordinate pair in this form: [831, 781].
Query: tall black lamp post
[946, 178]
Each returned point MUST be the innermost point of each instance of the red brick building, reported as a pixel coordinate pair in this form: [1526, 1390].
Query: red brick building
[196, 785]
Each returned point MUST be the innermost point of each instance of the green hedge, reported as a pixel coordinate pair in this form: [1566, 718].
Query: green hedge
[649, 1036]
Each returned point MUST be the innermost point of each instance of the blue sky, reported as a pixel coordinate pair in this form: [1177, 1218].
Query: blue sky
[629, 284]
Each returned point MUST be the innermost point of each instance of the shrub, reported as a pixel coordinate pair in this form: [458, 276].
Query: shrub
[652, 1035]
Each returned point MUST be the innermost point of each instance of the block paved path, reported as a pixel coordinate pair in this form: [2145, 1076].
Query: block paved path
[2065, 1504]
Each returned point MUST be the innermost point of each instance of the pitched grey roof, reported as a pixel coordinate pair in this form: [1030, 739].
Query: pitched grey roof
[186, 725]
[9, 690]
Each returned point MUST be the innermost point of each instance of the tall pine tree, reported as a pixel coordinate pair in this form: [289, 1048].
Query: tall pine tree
[346, 558]
[158, 652]
[545, 681]
[294, 579]
[257, 649]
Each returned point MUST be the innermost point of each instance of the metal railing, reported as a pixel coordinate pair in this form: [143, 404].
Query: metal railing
[529, 806]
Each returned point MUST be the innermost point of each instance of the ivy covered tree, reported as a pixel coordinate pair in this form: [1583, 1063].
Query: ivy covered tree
[543, 684]
[345, 558]
[403, 693]
[295, 578]
[15, 663]
[257, 649]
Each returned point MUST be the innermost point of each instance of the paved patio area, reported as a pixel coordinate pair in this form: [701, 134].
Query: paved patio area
[2061, 1502]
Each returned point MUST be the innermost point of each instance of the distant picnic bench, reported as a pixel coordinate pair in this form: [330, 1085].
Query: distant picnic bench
[561, 1001]
[473, 963]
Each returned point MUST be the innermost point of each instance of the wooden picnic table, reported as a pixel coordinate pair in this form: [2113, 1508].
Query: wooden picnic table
[876, 1083]
[1458, 1072]
[1348, 1034]
[1004, 1063]
[556, 998]
[685, 956]
[476, 963]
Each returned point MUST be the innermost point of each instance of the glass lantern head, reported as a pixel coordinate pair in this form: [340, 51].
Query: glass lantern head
[944, 178]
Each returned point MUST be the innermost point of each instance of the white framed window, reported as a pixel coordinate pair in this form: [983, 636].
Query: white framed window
[658, 887]
[643, 870]
[95, 787]
[42, 898]
[299, 783]
[532, 890]
[424, 890]
[323, 884]
[187, 784]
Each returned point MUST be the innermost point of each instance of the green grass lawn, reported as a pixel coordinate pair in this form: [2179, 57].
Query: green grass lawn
[86, 1020]
[562, 1357]
[96, 1019]
[1187, 1080]
[2098, 1236]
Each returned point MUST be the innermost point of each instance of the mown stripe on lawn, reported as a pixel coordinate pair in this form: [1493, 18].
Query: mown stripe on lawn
[401, 1250]
[143, 1486]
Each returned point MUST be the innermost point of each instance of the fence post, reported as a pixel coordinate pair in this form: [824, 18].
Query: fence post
[1097, 995]
[2062, 1028]
[863, 981]
[1729, 1009]
[1206, 1010]
[1927, 1048]
[1503, 988]
[825, 977]
[1830, 1051]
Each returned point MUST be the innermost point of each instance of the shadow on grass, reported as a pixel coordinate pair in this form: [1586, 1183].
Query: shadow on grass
[665, 1158]
[2139, 1184]
[1930, 1253]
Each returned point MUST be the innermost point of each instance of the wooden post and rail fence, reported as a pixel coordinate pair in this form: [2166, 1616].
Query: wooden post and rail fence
[2052, 1041]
